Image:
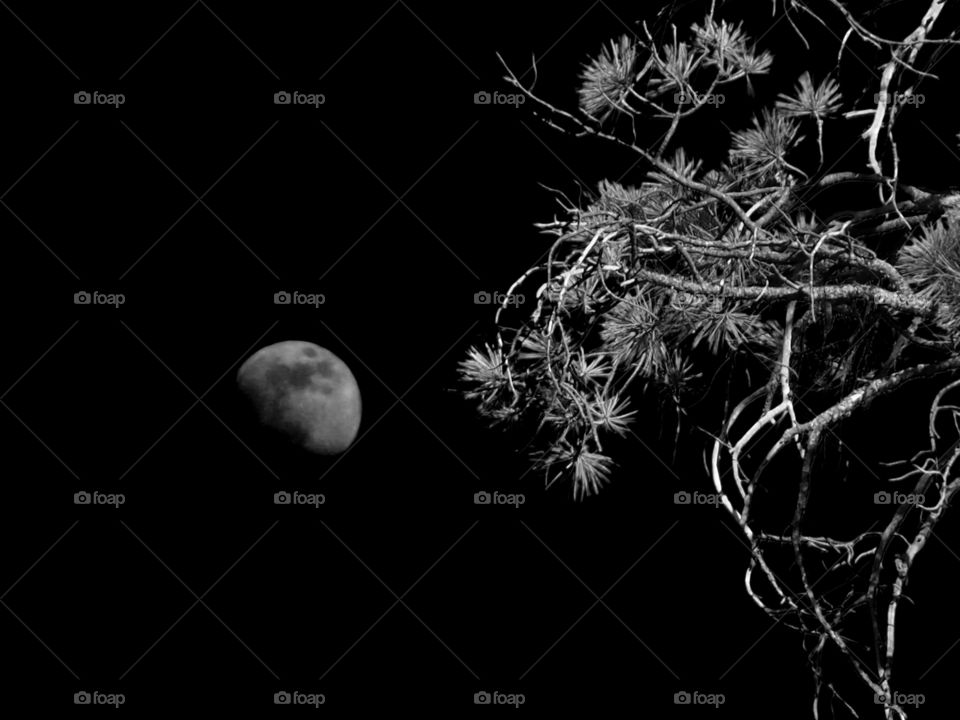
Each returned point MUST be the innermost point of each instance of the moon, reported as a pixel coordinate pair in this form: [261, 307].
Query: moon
[304, 392]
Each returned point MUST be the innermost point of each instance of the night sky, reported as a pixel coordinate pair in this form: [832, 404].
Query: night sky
[398, 198]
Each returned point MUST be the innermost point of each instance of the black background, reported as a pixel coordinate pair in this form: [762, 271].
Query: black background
[141, 400]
